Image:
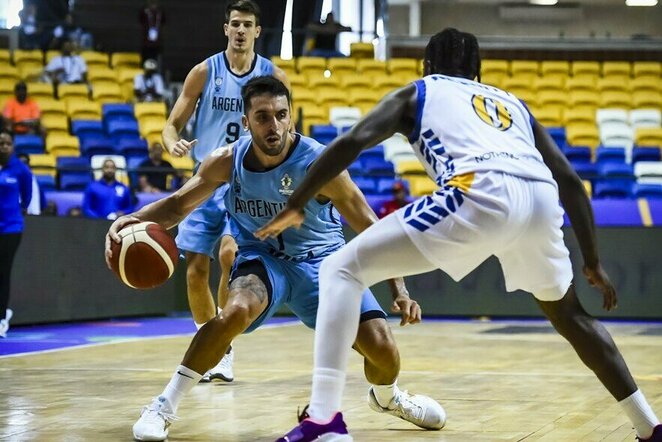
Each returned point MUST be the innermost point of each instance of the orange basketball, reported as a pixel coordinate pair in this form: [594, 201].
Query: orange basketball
[146, 257]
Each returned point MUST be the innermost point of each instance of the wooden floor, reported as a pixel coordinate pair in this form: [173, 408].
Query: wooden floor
[495, 386]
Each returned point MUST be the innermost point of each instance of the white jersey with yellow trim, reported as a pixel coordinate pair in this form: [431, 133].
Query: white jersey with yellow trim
[464, 127]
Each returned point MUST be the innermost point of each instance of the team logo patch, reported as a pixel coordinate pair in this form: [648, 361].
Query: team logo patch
[286, 185]
[236, 185]
[218, 81]
[492, 112]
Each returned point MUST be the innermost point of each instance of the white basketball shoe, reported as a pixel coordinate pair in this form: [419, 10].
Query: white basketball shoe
[420, 410]
[222, 371]
[4, 323]
[154, 421]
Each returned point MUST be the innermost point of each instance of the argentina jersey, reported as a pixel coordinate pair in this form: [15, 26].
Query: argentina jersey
[255, 197]
[220, 108]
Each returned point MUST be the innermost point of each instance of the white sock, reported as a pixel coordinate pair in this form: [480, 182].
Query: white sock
[328, 385]
[640, 413]
[182, 381]
[384, 393]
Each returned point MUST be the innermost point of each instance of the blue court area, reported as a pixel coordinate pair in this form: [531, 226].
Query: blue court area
[37, 338]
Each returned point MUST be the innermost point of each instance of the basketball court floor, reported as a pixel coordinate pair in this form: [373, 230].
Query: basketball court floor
[498, 381]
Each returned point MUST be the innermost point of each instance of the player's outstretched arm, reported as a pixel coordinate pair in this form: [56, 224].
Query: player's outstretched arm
[182, 111]
[395, 113]
[578, 207]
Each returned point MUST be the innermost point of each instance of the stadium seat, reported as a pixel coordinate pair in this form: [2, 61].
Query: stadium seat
[183, 164]
[323, 133]
[616, 212]
[617, 84]
[341, 117]
[555, 68]
[8, 74]
[55, 124]
[493, 79]
[616, 68]
[356, 168]
[38, 91]
[363, 99]
[329, 99]
[646, 153]
[312, 116]
[319, 83]
[83, 128]
[65, 200]
[551, 84]
[518, 85]
[610, 155]
[611, 116]
[383, 84]
[614, 170]
[132, 147]
[52, 107]
[552, 98]
[645, 118]
[122, 128]
[30, 73]
[551, 116]
[342, 66]
[648, 136]
[5, 57]
[370, 67]
[50, 55]
[616, 99]
[612, 188]
[578, 154]
[645, 84]
[42, 164]
[373, 152]
[616, 135]
[151, 126]
[45, 182]
[73, 172]
[397, 146]
[410, 167]
[303, 98]
[646, 99]
[650, 191]
[397, 66]
[584, 84]
[585, 170]
[101, 73]
[107, 93]
[92, 145]
[62, 145]
[579, 68]
[298, 81]
[94, 59]
[361, 50]
[529, 68]
[125, 77]
[558, 135]
[141, 110]
[29, 144]
[378, 167]
[641, 69]
[28, 56]
[580, 115]
[125, 59]
[649, 172]
[492, 66]
[66, 91]
[308, 66]
[83, 110]
[367, 185]
[583, 135]
[117, 111]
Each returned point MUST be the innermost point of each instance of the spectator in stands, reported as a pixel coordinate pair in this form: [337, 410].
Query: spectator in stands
[29, 33]
[22, 113]
[38, 201]
[75, 212]
[15, 196]
[154, 171]
[152, 20]
[68, 67]
[149, 86]
[399, 200]
[107, 198]
[324, 37]
[70, 31]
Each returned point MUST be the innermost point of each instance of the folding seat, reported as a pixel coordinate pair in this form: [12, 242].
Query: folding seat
[286, 65]
[585, 68]
[84, 128]
[371, 67]
[552, 98]
[582, 134]
[364, 99]
[125, 59]
[648, 191]
[605, 155]
[398, 66]
[611, 116]
[50, 55]
[356, 81]
[93, 145]
[616, 99]
[9, 74]
[5, 56]
[39, 91]
[524, 67]
[373, 152]
[641, 69]
[67, 91]
[117, 111]
[355, 169]
[323, 133]
[558, 135]
[409, 168]
[584, 100]
[318, 84]
[31, 73]
[55, 124]
[646, 153]
[94, 59]
[29, 144]
[73, 172]
[645, 118]
[83, 110]
[648, 172]
[183, 164]
[122, 128]
[107, 93]
[342, 66]
[43, 164]
[311, 66]
[617, 84]
[579, 115]
[378, 166]
[518, 85]
[303, 98]
[646, 84]
[493, 79]
[648, 136]
[497, 67]
[361, 50]
[578, 154]
[101, 73]
[141, 110]
[555, 68]
[330, 99]
[646, 99]
[33, 56]
[551, 116]
[58, 145]
[125, 78]
[616, 69]
[312, 116]
[584, 83]
[617, 135]
[46, 182]
[612, 188]
[550, 83]
[132, 147]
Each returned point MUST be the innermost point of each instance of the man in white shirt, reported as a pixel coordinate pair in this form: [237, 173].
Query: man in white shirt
[67, 68]
[148, 86]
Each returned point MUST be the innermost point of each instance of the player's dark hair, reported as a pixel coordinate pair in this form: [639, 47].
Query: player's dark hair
[264, 85]
[454, 53]
[246, 6]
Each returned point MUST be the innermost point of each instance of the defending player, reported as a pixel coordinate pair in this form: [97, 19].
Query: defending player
[500, 176]
[262, 171]
[215, 86]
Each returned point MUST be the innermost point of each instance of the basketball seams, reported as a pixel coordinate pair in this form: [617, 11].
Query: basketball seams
[124, 247]
[145, 238]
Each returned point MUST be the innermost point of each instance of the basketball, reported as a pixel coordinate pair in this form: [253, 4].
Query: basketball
[146, 257]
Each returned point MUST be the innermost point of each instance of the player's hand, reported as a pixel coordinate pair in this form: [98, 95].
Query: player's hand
[182, 148]
[113, 231]
[286, 218]
[598, 278]
[410, 311]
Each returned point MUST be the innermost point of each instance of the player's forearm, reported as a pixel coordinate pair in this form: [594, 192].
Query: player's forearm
[170, 136]
[397, 286]
[166, 212]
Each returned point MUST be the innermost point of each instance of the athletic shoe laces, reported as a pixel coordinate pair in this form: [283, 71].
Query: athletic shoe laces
[405, 405]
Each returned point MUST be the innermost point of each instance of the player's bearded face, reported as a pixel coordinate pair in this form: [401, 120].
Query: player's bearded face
[269, 122]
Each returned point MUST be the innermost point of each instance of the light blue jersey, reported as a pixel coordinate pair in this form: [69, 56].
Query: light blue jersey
[256, 197]
[219, 112]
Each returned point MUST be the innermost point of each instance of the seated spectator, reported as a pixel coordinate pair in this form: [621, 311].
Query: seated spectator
[28, 33]
[50, 209]
[148, 86]
[68, 67]
[75, 212]
[399, 200]
[38, 201]
[107, 198]
[154, 171]
[22, 113]
[69, 31]
[325, 36]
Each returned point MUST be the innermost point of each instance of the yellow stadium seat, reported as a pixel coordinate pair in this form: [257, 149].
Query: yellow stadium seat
[127, 74]
[58, 143]
[51, 54]
[183, 164]
[579, 115]
[555, 68]
[107, 93]
[421, 185]
[646, 69]
[313, 116]
[549, 83]
[8, 73]
[151, 125]
[552, 98]
[55, 123]
[94, 58]
[493, 79]
[370, 67]
[359, 97]
[5, 56]
[646, 84]
[613, 83]
[361, 50]
[52, 107]
[23, 56]
[582, 134]
[524, 67]
[584, 99]
[320, 83]
[646, 99]
[648, 136]
[618, 99]
[618, 68]
[141, 110]
[329, 99]
[581, 83]
[125, 59]
[72, 90]
[42, 164]
[297, 80]
[30, 71]
[409, 167]
[385, 84]
[551, 116]
[578, 68]
[7, 88]
[356, 82]
[311, 65]
[40, 90]
[500, 67]
[83, 110]
[97, 73]
[286, 65]
[342, 66]
[397, 66]
[304, 97]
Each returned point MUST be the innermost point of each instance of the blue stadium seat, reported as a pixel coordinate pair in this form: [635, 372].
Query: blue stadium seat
[73, 172]
[558, 135]
[586, 171]
[579, 154]
[615, 169]
[655, 206]
[367, 185]
[646, 153]
[46, 182]
[65, 200]
[85, 128]
[612, 188]
[122, 129]
[145, 198]
[610, 155]
[378, 167]
[356, 168]
[323, 133]
[117, 111]
[28, 144]
[132, 147]
[96, 145]
[373, 152]
[75, 181]
[624, 212]
[649, 191]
